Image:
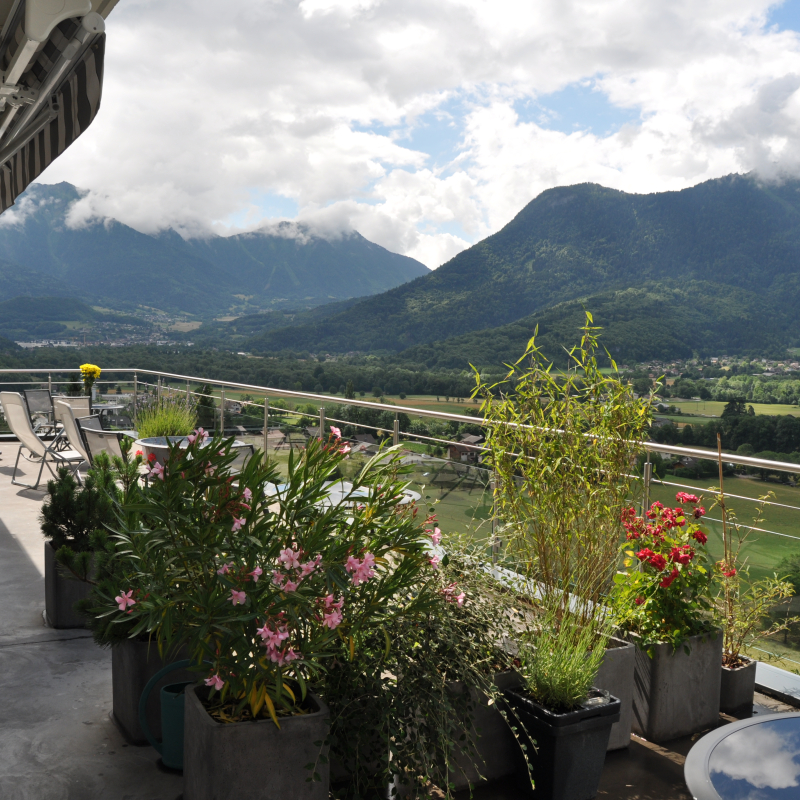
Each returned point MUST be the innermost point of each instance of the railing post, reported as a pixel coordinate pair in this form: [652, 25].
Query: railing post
[135, 393]
[187, 391]
[322, 422]
[222, 413]
[495, 540]
[266, 423]
[50, 383]
[396, 437]
[158, 390]
[648, 476]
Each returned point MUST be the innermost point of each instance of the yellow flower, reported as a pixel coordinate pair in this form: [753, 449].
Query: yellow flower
[90, 371]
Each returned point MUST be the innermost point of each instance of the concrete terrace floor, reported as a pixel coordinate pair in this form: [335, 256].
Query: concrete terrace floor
[57, 741]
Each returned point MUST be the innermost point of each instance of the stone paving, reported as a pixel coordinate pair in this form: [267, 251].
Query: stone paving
[57, 741]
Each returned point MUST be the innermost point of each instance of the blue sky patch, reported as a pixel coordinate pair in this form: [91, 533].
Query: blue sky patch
[577, 107]
[786, 16]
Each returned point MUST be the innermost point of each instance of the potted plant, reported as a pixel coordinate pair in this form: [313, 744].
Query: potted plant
[89, 374]
[663, 600]
[163, 421]
[561, 444]
[70, 518]
[418, 704]
[262, 591]
[565, 720]
[744, 609]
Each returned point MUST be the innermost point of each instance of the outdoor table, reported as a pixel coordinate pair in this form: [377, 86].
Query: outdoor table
[753, 758]
[341, 491]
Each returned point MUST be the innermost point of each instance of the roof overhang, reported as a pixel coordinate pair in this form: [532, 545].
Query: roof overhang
[51, 82]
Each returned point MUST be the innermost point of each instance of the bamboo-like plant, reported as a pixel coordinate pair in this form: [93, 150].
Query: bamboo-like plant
[743, 606]
[563, 445]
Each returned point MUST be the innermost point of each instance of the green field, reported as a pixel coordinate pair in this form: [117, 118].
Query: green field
[714, 408]
[763, 551]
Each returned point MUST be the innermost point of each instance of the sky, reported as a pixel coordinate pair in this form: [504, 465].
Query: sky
[426, 126]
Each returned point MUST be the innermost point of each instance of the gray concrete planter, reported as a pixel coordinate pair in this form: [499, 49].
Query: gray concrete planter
[497, 748]
[253, 759]
[61, 592]
[737, 687]
[133, 663]
[675, 693]
[616, 677]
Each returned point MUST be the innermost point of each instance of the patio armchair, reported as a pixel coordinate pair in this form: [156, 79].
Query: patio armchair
[16, 413]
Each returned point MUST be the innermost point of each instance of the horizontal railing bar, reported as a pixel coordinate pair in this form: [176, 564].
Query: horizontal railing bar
[730, 458]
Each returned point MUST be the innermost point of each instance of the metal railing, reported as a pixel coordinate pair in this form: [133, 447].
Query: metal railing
[462, 491]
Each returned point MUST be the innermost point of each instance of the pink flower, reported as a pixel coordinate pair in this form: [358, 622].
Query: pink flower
[309, 567]
[434, 561]
[291, 586]
[215, 681]
[247, 494]
[225, 569]
[278, 578]
[272, 638]
[361, 570]
[344, 450]
[336, 432]
[124, 599]
[156, 470]
[436, 536]
[352, 564]
[290, 558]
[237, 524]
[451, 597]
[332, 620]
[255, 574]
[237, 598]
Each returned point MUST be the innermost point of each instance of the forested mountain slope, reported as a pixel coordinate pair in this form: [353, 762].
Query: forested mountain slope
[578, 241]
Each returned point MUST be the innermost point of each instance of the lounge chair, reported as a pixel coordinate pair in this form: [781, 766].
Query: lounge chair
[16, 414]
[72, 432]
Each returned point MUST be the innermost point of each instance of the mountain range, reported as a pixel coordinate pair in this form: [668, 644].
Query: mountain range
[112, 264]
[712, 268]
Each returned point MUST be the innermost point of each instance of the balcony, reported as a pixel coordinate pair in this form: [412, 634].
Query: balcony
[60, 742]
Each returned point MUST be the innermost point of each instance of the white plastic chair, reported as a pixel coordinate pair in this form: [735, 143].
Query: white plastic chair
[16, 414]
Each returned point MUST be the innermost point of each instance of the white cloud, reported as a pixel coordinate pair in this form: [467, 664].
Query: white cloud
[320, 101]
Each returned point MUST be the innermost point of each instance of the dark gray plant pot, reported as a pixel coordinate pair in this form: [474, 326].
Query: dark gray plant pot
[497, 750]
[253, 759]
[675, 693]
[61, 592]
[133, 663]
[568, 757]
[616, 677]
[737, 687]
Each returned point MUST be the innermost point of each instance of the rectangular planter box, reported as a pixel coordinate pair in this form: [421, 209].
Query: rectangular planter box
[133, 663]
[252, 759]
[676, 694]
[570, 751]
[616, 677]
[497, 748]
[738, 687]
[61, 592]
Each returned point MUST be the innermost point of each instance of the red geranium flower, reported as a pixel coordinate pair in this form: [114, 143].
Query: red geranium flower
[639, 601]
[700, 537]
[699, 512]
[658, 561]
[683, 497]
[667, 582]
